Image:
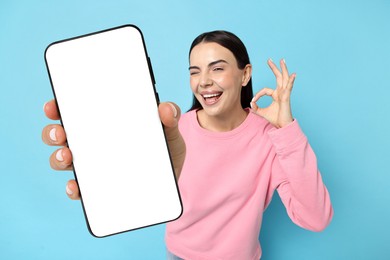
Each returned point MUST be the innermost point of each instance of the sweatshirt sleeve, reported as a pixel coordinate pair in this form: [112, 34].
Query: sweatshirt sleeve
[297, 179]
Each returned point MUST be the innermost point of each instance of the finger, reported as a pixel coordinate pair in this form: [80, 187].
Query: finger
[51, 110]
[285, 75]
[254, 106]
[262, 92]
[275, 70]
[54, 135]
[291, 81]
[72, 190]
[61, 159]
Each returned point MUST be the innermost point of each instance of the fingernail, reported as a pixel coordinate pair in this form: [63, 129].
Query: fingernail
[284, 61]
[270, 60]
[174, 109]
[52, 134]
[44, 105]
[69, 191]
[59, 156]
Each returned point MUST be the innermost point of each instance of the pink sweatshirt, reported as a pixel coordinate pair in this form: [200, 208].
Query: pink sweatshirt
[228, 180]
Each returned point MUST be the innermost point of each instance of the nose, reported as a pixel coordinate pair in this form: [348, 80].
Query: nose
[205, 80]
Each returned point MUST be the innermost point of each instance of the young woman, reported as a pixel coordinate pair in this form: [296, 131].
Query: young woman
[229, 158]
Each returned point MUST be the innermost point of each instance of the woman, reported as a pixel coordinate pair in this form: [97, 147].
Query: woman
[235, 157]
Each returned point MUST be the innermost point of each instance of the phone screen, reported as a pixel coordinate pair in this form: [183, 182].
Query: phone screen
[104, 89]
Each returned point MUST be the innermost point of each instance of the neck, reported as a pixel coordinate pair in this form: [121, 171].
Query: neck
[222, 123]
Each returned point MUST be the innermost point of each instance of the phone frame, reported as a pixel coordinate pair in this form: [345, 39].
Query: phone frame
[152, 85]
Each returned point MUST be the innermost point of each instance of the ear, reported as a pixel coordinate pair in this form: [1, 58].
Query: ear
[247, 75]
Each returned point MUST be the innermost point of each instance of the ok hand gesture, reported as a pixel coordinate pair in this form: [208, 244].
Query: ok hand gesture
[279, 112]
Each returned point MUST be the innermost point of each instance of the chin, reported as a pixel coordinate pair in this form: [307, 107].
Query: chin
[212, 110]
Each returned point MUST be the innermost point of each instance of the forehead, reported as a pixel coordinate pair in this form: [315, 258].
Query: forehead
[207, 52]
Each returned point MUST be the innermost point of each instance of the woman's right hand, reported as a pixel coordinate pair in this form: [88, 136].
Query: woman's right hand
[61, 159]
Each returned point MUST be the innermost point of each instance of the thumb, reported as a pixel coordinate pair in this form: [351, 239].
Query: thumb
[170, 115]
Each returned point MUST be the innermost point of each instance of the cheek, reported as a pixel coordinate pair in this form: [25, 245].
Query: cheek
[222, 81]
[227, 82]
[193, 84]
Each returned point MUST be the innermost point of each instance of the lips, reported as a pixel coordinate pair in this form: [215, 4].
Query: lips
[211, 98]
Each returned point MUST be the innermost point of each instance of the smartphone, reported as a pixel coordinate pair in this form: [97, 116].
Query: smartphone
[104, 87]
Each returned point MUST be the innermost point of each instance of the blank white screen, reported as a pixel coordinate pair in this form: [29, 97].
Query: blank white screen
[108, 109]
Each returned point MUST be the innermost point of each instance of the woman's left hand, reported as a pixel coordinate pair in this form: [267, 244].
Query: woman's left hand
[278, 113]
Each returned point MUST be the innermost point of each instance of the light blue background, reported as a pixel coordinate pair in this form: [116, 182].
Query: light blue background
[340, 51]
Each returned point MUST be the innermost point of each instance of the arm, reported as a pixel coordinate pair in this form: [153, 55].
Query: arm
[298, 180]
[294, 173]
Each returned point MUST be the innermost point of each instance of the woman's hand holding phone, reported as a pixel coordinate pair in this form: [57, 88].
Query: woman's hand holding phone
[61, 159]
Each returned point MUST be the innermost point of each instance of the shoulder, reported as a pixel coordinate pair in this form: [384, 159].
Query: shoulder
[187, 117]
[259, 123]
[186, 120]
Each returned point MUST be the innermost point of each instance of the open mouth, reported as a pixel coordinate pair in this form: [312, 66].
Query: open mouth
[211, 98]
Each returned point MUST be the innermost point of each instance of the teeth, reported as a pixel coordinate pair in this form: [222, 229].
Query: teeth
[211, 95]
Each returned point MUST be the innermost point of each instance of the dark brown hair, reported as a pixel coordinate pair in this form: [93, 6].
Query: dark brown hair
[237, 47]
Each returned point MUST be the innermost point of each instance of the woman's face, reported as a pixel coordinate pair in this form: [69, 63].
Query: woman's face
[215, 78]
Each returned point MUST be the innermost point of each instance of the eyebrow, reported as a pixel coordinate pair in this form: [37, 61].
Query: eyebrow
[210, 64]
